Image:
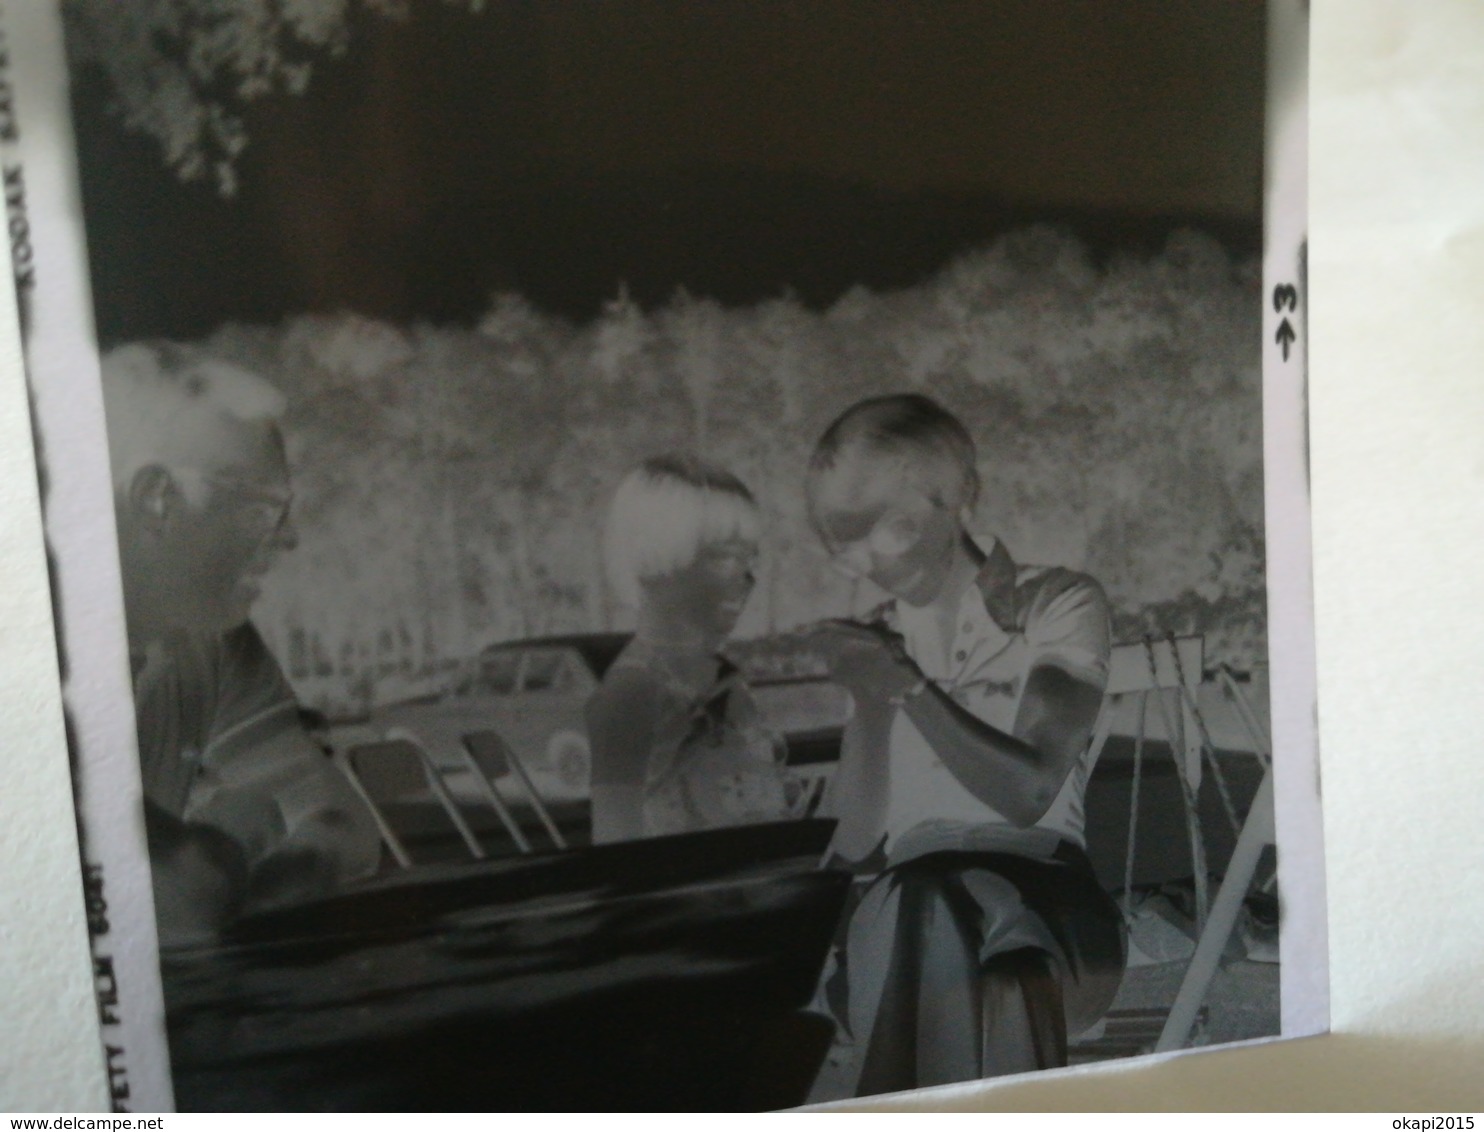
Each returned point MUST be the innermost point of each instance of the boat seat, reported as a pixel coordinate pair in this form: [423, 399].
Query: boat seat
[394, 768]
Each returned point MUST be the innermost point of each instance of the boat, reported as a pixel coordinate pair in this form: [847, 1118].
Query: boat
[667, 974]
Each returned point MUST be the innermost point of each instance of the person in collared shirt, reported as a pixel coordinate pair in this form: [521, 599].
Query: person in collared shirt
[242, 809]
[982, 937]
[679, 744]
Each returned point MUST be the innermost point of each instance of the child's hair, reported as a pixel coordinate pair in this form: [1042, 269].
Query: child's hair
[915, 430]
[665, 511]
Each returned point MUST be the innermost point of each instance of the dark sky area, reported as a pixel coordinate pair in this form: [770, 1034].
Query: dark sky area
[738, 148]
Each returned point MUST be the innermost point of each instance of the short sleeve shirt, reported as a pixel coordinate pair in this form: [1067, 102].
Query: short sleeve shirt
[1012, 620]
[201, 699]
[713, 762]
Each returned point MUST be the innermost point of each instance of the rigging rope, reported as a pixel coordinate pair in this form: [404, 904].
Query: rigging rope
[1249, 717]
[1133, 812]
[1192, 809]
[1208, 748]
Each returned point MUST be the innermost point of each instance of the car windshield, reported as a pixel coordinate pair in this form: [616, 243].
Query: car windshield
[546, 672]
[497, 675]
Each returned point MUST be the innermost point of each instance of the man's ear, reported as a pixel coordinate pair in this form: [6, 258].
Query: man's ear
[153, 497]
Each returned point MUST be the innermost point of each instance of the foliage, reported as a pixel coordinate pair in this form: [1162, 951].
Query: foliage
[181, 71]
[452, 481]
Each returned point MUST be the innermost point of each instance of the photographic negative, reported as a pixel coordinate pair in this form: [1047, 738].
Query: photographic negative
[667, 556]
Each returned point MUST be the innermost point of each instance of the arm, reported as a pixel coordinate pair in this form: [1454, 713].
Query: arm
[622, 719]
[858, 791]
[303, 828]
[267, 784]
[1020, 773]
[323, 816]
[199, 878]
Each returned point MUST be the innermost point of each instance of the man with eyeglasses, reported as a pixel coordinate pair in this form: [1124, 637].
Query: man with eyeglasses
[242, 809]
[982, 936]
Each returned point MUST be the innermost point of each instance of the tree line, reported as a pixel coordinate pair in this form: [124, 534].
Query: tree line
[451, 480]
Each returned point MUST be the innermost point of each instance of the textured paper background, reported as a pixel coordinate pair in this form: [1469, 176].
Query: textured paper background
[1397, 326]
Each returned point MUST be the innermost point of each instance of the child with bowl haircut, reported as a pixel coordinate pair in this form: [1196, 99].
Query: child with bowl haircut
[678, 743]
[984, 936]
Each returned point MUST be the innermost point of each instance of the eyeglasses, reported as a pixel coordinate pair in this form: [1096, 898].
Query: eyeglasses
[889, 537]
[269, 509]
[730, 559]
[893, 534]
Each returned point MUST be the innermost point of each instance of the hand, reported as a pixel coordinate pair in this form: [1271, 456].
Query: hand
[290, 876]
[870, 661]
[870, 864]
[249, 816]
[199, 876]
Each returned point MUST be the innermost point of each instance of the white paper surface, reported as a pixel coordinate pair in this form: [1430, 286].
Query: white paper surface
[1397, 285]
[49, 1054]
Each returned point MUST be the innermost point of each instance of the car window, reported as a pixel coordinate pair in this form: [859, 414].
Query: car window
[497, 675]
[547, 672]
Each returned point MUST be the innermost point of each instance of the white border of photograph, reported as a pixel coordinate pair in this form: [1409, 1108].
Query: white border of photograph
[63, 368]
[1290, 563]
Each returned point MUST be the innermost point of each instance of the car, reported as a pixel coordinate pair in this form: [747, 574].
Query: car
[530, 694]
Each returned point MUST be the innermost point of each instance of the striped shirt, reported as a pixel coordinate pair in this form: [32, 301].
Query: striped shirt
[220, 743]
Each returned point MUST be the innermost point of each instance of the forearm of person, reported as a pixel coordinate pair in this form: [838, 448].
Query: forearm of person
[621, 723]
[321, 837]
[283, 798]
[618, 811]
[1018, 774]
[997, 768]
[335, 825]
[859, 790]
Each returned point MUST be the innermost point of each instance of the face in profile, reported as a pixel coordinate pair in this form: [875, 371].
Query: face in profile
[223, 520]
[880, 522]
[711, 591]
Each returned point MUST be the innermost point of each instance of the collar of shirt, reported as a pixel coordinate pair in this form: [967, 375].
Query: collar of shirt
[983, 627]
[995, 583]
